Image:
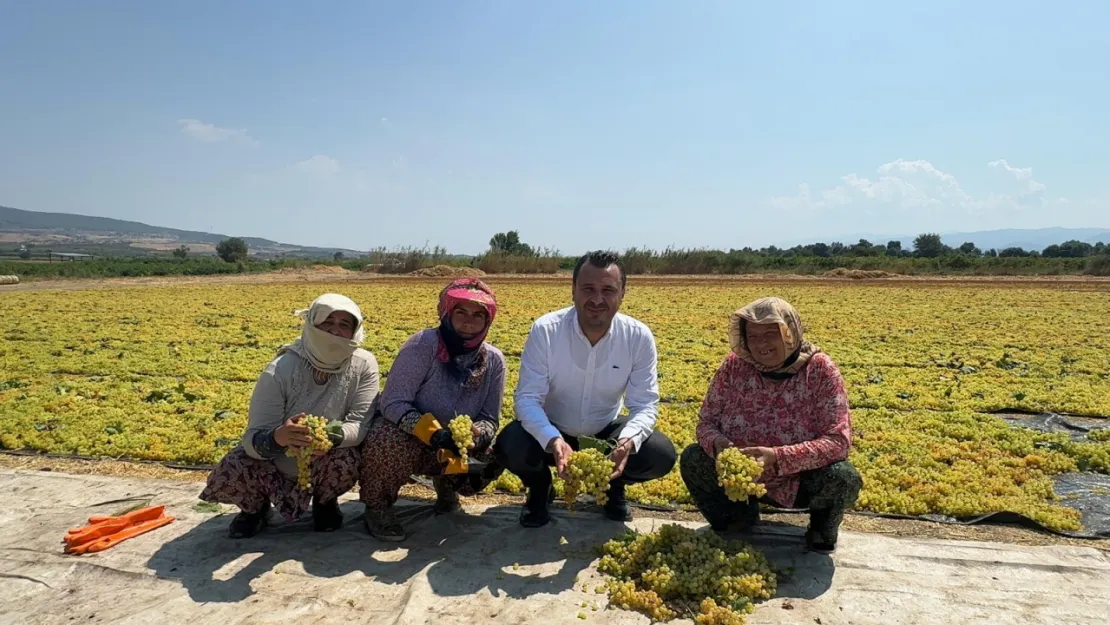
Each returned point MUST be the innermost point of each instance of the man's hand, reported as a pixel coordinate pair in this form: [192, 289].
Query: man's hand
[475, 434]
[619, 456]
[765, 455]
[292, 433]
[720, 444]
[562, 451]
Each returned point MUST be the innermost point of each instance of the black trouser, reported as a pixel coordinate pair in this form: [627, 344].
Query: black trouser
[519, 452]
[827, 492]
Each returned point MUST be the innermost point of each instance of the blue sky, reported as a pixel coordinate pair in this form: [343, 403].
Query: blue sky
[580, 124]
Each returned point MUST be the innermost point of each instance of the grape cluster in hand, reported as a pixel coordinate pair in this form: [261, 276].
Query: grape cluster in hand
[588, 471]
[462, 433]
[317, 429]
[738, 473]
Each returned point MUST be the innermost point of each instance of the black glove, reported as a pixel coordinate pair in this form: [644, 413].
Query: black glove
[442, 440]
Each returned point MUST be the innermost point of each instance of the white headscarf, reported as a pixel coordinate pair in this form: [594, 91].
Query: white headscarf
[326, 352]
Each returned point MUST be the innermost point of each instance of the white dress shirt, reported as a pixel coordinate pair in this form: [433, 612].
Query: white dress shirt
[568, 385]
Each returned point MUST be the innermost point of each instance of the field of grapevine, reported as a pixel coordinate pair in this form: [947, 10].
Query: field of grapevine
[166, 372]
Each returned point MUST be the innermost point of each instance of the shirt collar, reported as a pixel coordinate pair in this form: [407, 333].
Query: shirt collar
[582, 335]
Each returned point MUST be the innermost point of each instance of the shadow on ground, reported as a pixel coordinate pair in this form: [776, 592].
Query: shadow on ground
[457, 554]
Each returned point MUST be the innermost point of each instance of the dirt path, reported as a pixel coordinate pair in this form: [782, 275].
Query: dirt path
[1074, 283]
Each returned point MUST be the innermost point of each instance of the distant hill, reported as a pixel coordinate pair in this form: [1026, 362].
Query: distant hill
[1037, 239]
[63, 231]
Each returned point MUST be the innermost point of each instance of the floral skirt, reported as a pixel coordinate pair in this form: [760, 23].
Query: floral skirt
[250, 483]
[390, 456]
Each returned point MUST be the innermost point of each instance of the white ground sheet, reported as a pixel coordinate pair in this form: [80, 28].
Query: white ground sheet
[478, 567]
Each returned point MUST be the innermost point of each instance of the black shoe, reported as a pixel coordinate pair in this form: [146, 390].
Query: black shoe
[247, 524]
[820, 537]
[535, 513]
[326, 517]
[447, 500]
[616, 506]
[383, 525]
[818, 544]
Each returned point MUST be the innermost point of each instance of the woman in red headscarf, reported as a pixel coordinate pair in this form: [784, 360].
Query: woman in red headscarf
[439, 373]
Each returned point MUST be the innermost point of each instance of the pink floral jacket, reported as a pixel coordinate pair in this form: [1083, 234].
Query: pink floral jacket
[805, 419]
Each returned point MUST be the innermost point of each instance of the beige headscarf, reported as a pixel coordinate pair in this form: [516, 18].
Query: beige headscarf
[772, 310]
[326, 352]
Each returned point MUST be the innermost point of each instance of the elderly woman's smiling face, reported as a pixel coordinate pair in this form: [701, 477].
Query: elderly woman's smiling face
[469, 319]
[765, 343]
[341, 324]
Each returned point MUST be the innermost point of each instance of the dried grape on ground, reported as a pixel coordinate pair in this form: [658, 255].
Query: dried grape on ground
[166, 372]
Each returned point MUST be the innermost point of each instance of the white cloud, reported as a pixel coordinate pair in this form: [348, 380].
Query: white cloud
[211, 133]
[917, 191]
[1021, 174]
[319, 165]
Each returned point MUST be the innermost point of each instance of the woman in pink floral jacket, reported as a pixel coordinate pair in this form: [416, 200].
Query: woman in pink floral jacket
[782, 401]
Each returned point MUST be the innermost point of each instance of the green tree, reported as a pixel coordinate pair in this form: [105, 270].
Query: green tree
[929, 245]
[1069, 249]
[233, 250]
[865, 248]
[338, 257]
[969, 249]
[509, 243]
[181, 252]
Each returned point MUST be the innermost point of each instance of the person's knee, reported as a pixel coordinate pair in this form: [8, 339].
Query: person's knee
[664, 453]
[656, 458]
[693, 459]
[846, 478]
[514, 449]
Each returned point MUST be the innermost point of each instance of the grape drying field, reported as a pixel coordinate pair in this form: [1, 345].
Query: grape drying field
[165, 372]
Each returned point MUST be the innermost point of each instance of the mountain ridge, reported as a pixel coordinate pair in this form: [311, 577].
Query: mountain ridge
[71, 229]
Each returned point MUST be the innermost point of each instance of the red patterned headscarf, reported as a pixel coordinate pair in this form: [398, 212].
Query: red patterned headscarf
[466, 290]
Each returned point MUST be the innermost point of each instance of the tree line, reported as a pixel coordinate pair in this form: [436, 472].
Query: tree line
[508, 253]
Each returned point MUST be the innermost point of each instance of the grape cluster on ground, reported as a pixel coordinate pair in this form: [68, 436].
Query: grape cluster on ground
[166, 372]
[676, 571]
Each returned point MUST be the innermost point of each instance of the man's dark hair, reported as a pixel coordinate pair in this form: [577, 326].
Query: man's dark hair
[602, 259]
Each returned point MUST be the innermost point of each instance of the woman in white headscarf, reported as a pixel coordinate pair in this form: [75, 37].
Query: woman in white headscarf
[323, 373]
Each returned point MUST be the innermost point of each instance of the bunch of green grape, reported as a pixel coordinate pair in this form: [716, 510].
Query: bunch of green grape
[462, 433]
[677, 570]
[588, 471]
[738, 473]
[1099, 436]
[317, 429]
[713, 614]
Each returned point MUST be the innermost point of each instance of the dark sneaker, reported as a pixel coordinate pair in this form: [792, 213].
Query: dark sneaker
[535, 513]
[383, 525]
[447, 500]
[247, 524]
[326, 517]
[616, 506]
[818, 544]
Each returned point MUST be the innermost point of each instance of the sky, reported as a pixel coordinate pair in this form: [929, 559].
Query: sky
[582, 125]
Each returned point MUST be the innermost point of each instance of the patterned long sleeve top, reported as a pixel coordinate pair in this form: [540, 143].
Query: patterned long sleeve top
[805, 419]
[418, 383]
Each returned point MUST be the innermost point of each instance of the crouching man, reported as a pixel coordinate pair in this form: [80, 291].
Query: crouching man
[577, 365]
